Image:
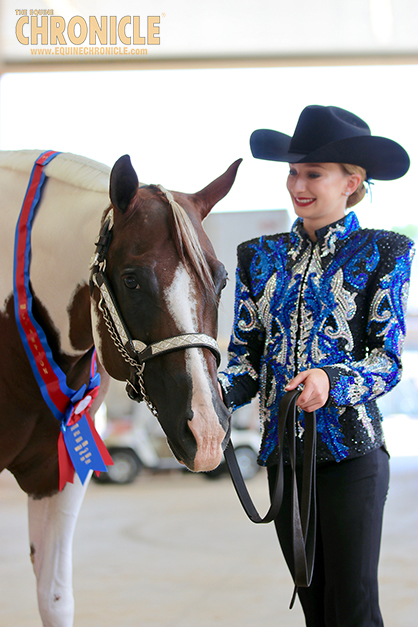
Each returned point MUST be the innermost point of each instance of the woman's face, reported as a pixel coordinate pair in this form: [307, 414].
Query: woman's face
[318, 192]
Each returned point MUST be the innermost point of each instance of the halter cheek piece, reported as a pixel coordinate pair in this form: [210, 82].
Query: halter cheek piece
[135, 352]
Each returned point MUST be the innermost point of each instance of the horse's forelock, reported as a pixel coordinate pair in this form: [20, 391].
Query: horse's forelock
[190, 247]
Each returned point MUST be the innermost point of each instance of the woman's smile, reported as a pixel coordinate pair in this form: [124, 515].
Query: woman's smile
[303, 202]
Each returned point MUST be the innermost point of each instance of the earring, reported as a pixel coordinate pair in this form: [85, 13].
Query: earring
[346, 193]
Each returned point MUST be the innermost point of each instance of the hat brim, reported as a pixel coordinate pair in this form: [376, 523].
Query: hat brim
[382, 158]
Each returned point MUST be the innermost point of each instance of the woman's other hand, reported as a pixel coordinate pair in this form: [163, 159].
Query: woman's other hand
[315, 389]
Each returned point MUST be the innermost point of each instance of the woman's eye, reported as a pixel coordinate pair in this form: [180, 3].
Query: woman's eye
[131, 283]
[314, 175]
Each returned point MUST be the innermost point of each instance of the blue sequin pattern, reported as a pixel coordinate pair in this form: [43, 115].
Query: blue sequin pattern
[336, 304]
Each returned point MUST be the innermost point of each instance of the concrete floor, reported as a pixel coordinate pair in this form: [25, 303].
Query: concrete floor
[176, 550]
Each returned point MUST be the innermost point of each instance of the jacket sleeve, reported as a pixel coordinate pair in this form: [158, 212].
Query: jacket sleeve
[240, 380]
[381, 369]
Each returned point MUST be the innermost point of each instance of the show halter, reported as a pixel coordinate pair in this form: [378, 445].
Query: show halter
[80, 447]
[135, 352]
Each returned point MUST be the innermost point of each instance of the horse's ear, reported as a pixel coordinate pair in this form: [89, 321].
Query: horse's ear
[216, 190]
[123, 183]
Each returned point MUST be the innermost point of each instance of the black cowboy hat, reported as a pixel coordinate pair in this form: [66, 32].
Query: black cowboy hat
[332, 135]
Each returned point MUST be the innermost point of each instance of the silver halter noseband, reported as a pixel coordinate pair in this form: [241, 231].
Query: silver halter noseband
[135, 352]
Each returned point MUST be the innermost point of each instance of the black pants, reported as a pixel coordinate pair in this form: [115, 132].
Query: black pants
[350, 500]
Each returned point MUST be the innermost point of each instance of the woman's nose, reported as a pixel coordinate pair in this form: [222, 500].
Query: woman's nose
[299, 183]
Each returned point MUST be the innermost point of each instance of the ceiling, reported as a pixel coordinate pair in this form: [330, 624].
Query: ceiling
[229, 32]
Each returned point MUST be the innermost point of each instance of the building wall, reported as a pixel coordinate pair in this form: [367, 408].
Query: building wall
[226, 231]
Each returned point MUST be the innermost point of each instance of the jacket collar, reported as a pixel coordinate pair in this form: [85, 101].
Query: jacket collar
[330, 238]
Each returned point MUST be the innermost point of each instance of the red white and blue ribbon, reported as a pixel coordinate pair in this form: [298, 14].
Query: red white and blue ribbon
[80, 447]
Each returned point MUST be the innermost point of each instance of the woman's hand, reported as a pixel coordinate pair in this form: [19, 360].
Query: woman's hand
[315, 389]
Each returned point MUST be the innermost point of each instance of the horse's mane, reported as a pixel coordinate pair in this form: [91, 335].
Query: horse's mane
[66, 167]
[91, 175]
[189, 244]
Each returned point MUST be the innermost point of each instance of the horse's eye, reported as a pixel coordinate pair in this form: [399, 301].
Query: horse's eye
[131, 282]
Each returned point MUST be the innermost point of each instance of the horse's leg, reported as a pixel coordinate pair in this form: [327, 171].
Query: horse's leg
[51, 529]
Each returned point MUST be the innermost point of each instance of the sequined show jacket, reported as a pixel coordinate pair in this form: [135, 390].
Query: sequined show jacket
[336, 304]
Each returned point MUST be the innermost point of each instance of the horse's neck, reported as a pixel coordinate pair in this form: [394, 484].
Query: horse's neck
[64, 231]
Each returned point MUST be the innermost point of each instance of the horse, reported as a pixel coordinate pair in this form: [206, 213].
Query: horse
[145, 300]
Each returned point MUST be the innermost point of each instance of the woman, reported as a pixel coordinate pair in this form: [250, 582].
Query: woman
[323, 307]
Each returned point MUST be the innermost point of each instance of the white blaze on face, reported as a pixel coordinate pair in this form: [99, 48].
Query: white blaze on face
[205, 426]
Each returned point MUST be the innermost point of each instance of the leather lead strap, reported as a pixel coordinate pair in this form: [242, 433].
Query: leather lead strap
[303, 504]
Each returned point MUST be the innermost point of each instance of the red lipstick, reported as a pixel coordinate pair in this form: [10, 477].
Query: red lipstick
[303, 202]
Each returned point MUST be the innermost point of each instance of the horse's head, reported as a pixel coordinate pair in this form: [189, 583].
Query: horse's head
[156, 278]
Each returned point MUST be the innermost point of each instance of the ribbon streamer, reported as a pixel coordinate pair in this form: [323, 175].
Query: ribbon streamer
[69, 406]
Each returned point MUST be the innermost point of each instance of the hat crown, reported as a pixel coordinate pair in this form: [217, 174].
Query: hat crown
[318, 126]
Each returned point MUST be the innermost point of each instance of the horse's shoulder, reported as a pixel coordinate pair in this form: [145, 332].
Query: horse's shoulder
[66, 167]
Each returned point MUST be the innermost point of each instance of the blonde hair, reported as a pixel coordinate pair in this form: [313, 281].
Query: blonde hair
[361, 190]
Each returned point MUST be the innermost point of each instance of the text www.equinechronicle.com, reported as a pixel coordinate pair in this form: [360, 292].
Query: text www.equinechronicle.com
[88, 51]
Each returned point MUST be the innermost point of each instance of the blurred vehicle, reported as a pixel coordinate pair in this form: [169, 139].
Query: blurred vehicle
[135, 442]
[138, 443]
[246, 445]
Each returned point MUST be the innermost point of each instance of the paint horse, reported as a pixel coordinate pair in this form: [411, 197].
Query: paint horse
[149, 306]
